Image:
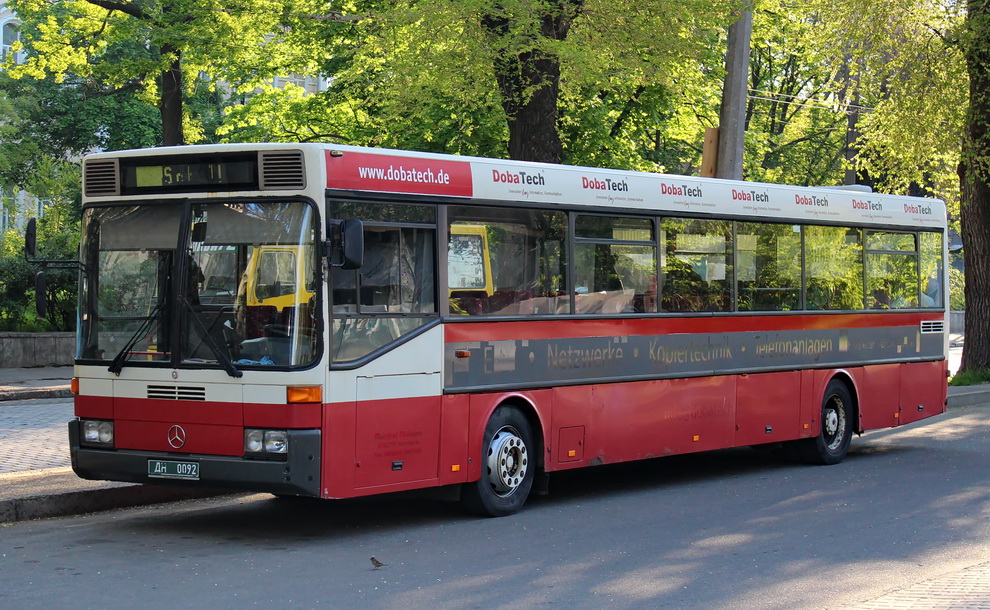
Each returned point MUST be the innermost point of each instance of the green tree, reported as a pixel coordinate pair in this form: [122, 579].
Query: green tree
[974, 174]
[795, 123]
[58, 238]
[163, 49]
[923, 69]
[555, 80]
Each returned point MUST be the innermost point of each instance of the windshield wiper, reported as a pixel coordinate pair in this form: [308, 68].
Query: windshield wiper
[117, 364]
[222, 358]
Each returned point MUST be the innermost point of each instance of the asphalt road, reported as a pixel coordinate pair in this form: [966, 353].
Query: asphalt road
[730, 529]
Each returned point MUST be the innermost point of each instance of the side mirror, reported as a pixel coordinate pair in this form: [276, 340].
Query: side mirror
[352, 244]
[199, 232]
[31, 237]
[40, 294]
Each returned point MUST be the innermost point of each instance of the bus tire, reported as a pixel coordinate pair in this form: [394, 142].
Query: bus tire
[832, 443]
[508, 466]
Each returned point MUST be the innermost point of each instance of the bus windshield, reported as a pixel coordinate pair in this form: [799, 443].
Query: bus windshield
[228, 284]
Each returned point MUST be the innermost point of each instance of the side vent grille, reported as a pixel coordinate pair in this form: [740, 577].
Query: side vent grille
[102, 177]
[282, 169]
[933, 326]
[169, 392]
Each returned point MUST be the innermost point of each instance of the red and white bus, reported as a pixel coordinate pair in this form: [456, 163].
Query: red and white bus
[333, 321]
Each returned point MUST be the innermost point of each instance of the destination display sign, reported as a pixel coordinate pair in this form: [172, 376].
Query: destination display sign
[150, 175]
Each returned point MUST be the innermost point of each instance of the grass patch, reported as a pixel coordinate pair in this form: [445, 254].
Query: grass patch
[974, 377]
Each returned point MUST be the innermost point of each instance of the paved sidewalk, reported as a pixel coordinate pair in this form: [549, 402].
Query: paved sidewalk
[36, 478]
[967, 589]
[40, 382]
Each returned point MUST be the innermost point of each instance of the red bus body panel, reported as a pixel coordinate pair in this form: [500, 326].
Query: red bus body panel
[396, 444]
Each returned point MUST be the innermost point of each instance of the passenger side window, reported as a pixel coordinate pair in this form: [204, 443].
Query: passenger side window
[891, 270]
[697, 265]
[833, 268]
[506, 262]
[768, 267]
[615, 265]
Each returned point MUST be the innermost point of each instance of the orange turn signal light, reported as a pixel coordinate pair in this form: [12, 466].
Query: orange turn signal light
[304, 393]
[74, 385]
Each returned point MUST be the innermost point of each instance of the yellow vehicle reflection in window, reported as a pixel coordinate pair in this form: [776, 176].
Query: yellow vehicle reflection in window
[278, 275]
[468, 261]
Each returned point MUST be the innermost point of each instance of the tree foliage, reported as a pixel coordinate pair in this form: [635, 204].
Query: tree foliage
[904, 68]
[58, 238]
[162, 49]
[478, 76]
[593, 82]
[795, 123]
[923, 69]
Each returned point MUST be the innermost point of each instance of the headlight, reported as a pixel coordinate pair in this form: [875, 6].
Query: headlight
[97, 433]
[266, 443]
[254, 441]
[276, 441]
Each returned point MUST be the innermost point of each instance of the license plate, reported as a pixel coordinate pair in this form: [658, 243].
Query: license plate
[167, 469]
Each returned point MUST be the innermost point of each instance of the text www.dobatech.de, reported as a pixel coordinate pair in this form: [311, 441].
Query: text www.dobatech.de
[401, 174]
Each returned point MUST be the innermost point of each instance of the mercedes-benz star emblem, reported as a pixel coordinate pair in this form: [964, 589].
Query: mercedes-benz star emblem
[176, 437]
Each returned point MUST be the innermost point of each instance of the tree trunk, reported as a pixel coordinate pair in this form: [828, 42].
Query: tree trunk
[532, 117]
[529, 83]
[170, 106]
[974, 174]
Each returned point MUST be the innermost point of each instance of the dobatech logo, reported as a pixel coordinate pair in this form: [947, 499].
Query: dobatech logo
[910, 208]
[605, 184]
[811, 200]
[680, 190]
[751, 195]
[527, 178]
[867, 204]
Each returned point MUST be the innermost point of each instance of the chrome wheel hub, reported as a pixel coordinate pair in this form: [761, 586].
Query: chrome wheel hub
[508, 461]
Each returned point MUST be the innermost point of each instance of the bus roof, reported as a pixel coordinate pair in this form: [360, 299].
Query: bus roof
[392, 171]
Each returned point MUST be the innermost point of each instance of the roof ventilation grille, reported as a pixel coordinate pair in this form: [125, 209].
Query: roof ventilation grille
[102, 177]
[282, 169]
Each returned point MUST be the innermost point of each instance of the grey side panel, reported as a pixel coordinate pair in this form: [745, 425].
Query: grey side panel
[544, 362]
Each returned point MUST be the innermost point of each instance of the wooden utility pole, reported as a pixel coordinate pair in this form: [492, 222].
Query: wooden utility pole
[709, 153]
[732, 115]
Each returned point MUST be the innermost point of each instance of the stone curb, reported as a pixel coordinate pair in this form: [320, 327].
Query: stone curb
[77, 496]
[966, 396]
[95, 500]
[32, 393]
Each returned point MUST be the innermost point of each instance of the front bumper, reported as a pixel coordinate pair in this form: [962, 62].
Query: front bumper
[299, 475]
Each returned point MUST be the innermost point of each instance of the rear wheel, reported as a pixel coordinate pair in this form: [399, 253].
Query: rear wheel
[832, 443]
[507, 466]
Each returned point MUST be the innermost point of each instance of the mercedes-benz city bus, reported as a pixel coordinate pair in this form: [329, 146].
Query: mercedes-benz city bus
[333, 321]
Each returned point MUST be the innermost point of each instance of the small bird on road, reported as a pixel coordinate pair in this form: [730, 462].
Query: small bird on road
[377, 564]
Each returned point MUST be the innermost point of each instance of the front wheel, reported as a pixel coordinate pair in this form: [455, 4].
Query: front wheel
[507, 466]
[832, 443]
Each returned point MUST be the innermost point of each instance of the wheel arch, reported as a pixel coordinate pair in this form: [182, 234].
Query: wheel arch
[527, 406]
[529, 411]
[848, 379]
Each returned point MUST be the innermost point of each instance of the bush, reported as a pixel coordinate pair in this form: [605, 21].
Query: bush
[57, 241]
[957, 287]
